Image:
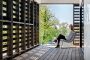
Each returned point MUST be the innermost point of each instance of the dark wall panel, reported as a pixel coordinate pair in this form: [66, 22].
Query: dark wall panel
[19, 25]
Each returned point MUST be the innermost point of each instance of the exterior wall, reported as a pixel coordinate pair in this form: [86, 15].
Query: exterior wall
[87, 29]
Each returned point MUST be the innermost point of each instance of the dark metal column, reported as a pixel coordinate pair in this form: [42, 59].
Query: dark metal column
[81, 26]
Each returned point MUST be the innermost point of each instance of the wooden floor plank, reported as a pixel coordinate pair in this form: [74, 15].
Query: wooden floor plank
[69, 54]
[57, 54]
[46, 54]
[52, 53]
[66, 54]
[47, 57]
[77, 54]
[39, 53]
[73, 54]
[27, 54]
[62, 54]
[31, 53]
[81, 54]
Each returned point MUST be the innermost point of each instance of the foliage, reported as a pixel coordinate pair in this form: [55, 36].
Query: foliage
[49, 25]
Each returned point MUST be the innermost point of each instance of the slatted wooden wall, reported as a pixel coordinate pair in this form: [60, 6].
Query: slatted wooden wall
[19, 27]
[78, 18]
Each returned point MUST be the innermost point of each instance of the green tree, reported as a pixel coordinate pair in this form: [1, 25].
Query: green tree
[49, 25]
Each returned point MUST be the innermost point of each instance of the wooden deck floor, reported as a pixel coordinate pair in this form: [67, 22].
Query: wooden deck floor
[52, 53]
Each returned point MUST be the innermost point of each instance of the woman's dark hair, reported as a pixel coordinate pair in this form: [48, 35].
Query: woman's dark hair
[71, 27]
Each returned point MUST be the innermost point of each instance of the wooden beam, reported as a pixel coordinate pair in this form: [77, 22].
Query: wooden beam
[1, 40]
[1, 5]
[10, 28]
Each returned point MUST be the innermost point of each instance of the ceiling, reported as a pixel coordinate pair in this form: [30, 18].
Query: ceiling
[57, 1]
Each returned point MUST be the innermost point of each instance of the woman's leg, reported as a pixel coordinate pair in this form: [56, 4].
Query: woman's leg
[58, 42]
[58, 39]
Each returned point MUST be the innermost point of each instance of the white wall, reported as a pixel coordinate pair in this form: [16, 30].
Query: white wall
[87, 29]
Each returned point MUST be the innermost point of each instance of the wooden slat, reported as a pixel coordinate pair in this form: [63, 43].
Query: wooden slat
[23, 37]
[10, 28]
[28, 42]
[17, 10]
[1, 5]
[22, 10]
[10, 42]
[17, 41]
[29, 11]
[37, 23]
[32, 35]
[1, 40]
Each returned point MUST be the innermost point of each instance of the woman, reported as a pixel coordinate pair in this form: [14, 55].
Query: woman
[62, 36]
